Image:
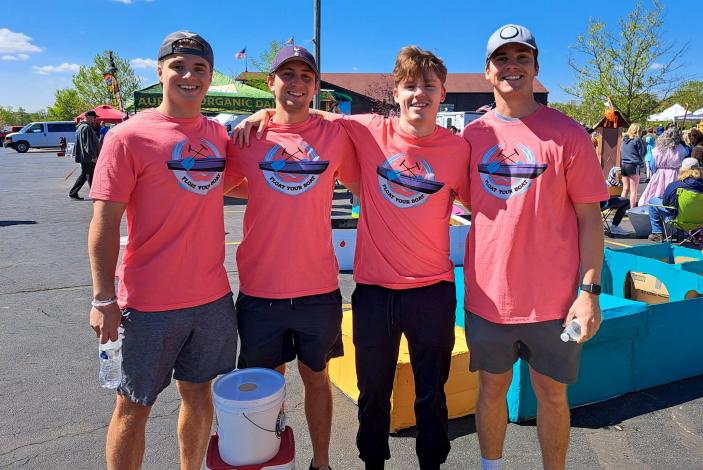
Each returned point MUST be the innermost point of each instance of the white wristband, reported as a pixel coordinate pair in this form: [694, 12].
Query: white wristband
[103, 303]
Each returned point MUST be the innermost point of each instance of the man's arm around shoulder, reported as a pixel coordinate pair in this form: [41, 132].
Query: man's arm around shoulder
[103, 250]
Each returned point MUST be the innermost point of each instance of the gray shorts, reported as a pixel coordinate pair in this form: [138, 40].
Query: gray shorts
[496, 347]
[276, 331]
[193, 344]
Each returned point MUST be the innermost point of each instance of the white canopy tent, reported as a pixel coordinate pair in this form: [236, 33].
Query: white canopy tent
[669, 114]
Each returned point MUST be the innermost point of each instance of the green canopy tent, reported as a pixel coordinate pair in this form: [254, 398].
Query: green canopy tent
[224, 96]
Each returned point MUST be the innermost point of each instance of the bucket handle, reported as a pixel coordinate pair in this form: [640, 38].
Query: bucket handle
[280, 423]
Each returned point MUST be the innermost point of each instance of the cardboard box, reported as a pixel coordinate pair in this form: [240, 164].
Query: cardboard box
[461, 387]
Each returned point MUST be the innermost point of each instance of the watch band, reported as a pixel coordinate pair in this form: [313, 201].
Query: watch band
[103, 303]
[591, 288]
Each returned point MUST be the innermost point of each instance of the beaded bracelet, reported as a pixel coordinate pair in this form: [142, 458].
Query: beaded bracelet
[103, 303]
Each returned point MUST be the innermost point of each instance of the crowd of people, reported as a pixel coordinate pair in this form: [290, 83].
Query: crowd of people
[668, 157]
[528, 174]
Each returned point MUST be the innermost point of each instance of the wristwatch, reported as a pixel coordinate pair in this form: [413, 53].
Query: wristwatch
[591, 288]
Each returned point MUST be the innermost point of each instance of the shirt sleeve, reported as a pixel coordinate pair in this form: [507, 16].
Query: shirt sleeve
[348, 171]
[584, 177]
[463, 191]
[116, 172]
[233, 167]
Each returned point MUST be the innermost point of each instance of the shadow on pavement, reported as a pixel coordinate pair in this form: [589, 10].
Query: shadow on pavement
[617, 410]
[7, 223]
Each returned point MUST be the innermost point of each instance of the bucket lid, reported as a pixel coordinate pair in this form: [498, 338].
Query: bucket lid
[249, 387]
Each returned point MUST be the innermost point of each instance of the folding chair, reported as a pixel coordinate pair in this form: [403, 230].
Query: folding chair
[689, 218]
[609, 211]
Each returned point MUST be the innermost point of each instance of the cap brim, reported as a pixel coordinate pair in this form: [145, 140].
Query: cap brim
[512, 42]
[299, 59]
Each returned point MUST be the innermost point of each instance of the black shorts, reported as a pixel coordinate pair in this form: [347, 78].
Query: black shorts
[496, 347]
[630, 169]
[275, 331]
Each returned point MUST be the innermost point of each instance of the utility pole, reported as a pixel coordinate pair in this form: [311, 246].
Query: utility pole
[316, 41]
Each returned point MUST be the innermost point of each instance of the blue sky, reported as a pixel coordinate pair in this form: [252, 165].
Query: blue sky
[42, 46]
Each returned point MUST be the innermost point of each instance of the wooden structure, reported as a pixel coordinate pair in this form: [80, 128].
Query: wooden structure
[611, 129]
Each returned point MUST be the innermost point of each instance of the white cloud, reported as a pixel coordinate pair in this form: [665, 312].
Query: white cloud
[355, 69]
[143, 63]
[126, 2]
[656, 66]
[13, 43]
[47, 69]
[15, 57]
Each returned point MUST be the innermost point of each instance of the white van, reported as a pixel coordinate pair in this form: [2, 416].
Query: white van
[41, 135]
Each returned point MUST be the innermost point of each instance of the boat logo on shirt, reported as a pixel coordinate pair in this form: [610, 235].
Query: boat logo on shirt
[406, 184]
[197, 168]
[507, 172]
[292, 171]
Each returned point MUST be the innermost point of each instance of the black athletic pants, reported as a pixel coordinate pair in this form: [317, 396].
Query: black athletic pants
[426, 316]
[87, 170]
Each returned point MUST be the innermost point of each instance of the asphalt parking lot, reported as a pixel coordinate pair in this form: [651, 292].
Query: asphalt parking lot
[53, 414]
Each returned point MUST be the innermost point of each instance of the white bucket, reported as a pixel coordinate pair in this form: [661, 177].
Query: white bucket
[248, 403]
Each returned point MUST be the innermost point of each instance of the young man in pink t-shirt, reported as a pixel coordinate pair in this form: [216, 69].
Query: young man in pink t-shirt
[289, 303]
[174, 307]
[411, 172]
[535, 190]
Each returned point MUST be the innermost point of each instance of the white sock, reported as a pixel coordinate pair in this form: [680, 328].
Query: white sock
[491, 464]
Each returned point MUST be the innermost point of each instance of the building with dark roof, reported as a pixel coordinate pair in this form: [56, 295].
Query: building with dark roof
[373, 92]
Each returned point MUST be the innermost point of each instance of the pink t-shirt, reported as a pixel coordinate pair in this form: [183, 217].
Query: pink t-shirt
[287, 248]
[522, 257]
[408, 185]
[169, 173]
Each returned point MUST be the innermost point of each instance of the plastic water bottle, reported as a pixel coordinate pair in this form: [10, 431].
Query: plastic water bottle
[572, 332]
[110, 355]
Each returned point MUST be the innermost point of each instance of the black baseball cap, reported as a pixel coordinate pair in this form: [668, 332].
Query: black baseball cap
[290, 53]
[170, 46]
[91, 114]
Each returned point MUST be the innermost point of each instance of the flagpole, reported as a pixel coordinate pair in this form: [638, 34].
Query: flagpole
[246, 61]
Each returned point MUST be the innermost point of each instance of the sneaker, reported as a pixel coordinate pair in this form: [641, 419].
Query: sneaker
[617, 230]
[324, 467]
[656, 237]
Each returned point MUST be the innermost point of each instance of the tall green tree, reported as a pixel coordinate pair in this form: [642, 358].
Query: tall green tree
[265, 59]
[67, 105]
[90, 84]
[689, 93]
[632, 64]
[19, 117]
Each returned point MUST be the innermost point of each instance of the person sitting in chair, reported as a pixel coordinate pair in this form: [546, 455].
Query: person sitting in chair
[666, 207]
[619, 204]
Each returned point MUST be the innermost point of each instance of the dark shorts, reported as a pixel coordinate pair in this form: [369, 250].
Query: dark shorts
[630, 169]
[194, 344]
[496, 347]
[275, 331]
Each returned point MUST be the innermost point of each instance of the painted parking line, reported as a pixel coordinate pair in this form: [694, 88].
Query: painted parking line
[234, 212]
[346, 306]
[617, 243]
[232, 243]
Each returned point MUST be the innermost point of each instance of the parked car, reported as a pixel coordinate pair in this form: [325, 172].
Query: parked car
[41, 135]
[9, 129]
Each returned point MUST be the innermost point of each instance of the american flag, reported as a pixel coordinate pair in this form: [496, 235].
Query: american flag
[290, 41]
[241, 54]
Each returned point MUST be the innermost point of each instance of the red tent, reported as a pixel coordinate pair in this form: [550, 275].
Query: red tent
[106, 113]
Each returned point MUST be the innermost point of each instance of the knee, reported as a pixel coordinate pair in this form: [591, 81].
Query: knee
[313, 380]
[195, 393]
[494, 387]
[129, 412]
[551, 394]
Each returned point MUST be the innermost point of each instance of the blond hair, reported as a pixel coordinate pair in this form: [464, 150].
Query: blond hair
[413, 62]
[695, 173]
[634, 130]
